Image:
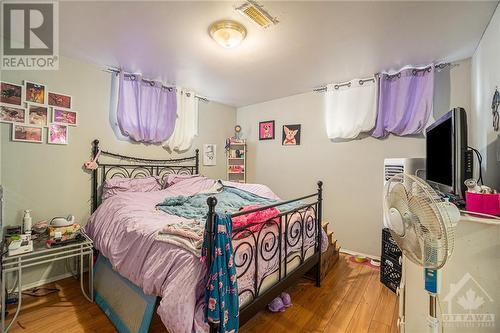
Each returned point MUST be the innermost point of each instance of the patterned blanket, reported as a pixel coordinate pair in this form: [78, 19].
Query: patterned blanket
[188, 233]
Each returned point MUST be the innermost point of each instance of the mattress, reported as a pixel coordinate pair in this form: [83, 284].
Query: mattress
[124, 228]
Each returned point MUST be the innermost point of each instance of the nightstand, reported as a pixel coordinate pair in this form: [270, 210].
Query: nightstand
[43, 255]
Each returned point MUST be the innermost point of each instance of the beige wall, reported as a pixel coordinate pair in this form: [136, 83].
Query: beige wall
[485, 78]
[49, 178]
[351, 171]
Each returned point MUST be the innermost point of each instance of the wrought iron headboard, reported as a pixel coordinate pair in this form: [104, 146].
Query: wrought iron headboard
[135, 167]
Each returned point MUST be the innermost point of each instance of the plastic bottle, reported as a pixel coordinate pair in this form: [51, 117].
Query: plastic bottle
[27, 221]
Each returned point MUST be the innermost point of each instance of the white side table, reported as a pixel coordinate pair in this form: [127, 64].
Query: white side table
[42, 255]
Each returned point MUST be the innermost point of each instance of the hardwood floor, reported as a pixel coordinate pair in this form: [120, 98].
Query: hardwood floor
[351, 299]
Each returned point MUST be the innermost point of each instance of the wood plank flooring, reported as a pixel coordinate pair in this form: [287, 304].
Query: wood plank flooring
[351, 299]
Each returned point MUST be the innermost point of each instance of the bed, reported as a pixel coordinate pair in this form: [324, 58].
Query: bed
[269, 256]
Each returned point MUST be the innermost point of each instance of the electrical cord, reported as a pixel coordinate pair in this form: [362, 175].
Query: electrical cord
[480, 160]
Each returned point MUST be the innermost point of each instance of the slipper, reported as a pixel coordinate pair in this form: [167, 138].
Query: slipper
[276, 305]
[287, 300]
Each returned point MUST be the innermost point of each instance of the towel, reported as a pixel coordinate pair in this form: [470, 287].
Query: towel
[221, 294]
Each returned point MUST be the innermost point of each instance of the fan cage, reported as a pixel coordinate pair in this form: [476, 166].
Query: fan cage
[426, 235]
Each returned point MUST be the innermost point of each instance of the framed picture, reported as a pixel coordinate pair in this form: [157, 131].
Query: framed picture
[11, 93]
[266, 130]
[291, 135]
[58, 134]
[12, 114]
[35, 93]
[27, 133]
[66, 117]
[210, 154]
[60, 100]
[38, 115]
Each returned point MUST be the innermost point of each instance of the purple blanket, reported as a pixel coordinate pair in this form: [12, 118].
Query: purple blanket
[124, 228]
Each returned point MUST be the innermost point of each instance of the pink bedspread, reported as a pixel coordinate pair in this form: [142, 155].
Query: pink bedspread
[124, 228]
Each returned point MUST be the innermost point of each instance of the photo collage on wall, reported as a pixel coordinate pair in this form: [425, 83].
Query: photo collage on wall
[30, 108]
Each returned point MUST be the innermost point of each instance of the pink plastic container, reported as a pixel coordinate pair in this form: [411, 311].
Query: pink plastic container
[483, 203]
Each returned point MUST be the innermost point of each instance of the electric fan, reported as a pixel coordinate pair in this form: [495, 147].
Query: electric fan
[423, 225]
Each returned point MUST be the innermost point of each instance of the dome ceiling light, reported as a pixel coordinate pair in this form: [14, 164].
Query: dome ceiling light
[227, 33]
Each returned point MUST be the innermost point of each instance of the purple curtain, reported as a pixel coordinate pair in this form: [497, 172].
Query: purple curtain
[404, 102]
[146, 110]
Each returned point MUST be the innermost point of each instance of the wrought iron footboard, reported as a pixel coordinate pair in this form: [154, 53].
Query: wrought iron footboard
[279, 250]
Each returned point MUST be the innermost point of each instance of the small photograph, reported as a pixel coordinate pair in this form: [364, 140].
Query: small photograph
[27, 133]
[11, 93]
[291, 135]
[58, 134]
[210, 154]
[66, 117]
[38, 115]
[266, 130]
[11, 114]
[60, 100]
[35, 93]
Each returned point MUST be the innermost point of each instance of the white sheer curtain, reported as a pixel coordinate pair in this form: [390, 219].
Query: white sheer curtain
[351, 108]
[186, 125]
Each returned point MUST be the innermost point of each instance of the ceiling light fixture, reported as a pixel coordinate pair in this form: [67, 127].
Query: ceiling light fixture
[227, 34]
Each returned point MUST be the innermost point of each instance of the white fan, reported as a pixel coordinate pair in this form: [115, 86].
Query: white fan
[423, 225]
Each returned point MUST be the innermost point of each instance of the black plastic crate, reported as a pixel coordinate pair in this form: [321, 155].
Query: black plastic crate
[389, 246]
[390, 263]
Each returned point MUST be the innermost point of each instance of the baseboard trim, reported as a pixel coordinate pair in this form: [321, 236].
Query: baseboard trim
[355, 253]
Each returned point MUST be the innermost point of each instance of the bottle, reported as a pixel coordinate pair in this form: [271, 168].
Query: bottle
[27, 222]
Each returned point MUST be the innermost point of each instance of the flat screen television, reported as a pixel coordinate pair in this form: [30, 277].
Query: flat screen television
[448, 162]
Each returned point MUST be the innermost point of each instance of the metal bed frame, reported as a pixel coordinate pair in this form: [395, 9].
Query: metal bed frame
[261, 242]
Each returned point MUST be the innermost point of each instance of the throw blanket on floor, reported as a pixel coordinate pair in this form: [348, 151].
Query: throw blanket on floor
[221, 295]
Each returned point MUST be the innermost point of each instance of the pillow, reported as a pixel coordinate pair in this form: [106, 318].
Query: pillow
[114, 186]
[174, 179]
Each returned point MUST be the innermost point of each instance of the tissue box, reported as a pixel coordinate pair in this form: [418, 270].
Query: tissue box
[482, 203]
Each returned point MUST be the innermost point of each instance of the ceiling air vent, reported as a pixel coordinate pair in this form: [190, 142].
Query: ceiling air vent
[257, 14]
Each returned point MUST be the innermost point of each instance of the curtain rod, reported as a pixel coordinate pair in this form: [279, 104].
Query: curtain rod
[438, 68]
[117, 71]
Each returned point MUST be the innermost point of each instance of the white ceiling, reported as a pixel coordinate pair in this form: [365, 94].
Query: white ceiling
[315, 42]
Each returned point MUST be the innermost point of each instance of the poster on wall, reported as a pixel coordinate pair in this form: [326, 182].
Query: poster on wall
[10, 114]
[11, 93]
[291, 135]
[65, 117]
[27, 133]
[35, 93]
[209, 154]
[58, 134]
[38, 115]
[266, 130]
[60, 100]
